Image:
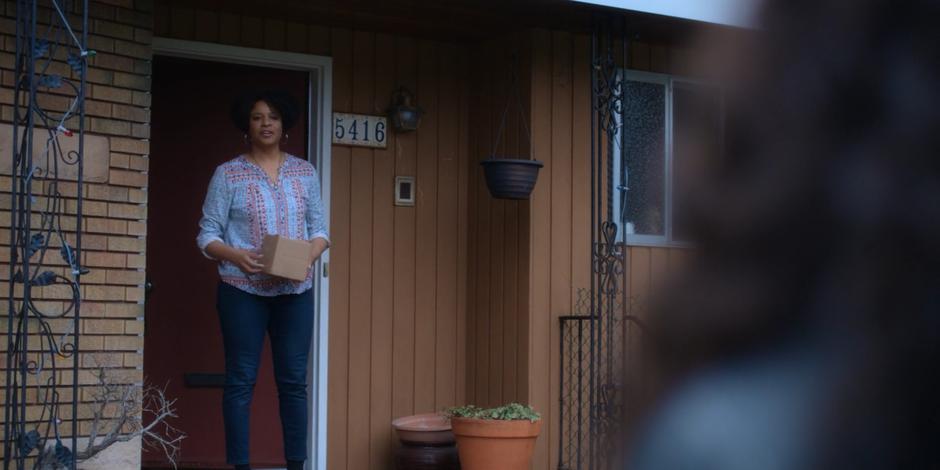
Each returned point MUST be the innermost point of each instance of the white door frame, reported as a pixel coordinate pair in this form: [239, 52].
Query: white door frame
[321, 91]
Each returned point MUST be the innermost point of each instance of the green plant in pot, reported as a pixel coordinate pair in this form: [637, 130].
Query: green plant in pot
[500, 438]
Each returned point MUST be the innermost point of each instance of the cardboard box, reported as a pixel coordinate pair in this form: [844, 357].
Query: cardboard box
[284, 257]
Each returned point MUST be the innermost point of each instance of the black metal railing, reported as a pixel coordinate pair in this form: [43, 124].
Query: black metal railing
[574, 408]
[45, 235]
[612, 373]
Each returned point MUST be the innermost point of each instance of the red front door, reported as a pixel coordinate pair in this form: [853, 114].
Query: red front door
[191, 134]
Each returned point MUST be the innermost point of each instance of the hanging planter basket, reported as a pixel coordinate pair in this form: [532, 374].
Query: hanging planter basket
[511, 178]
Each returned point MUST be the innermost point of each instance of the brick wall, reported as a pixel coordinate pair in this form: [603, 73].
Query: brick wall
[115, 211]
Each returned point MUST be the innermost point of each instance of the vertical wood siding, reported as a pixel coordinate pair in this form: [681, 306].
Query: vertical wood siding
[398, 275]
[497, 304]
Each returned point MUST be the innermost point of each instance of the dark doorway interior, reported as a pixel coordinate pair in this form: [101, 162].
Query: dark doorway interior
[192, 134]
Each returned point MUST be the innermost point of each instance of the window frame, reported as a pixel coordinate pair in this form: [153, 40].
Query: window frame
[667, 81]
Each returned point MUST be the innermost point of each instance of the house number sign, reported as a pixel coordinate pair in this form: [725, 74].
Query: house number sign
[360, 130]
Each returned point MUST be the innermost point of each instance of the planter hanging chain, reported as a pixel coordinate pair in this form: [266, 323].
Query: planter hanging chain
[513, 90]
[509, 178]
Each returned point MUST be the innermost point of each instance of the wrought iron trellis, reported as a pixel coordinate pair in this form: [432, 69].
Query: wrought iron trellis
[609, 257]
[48, 129]
[594, 342]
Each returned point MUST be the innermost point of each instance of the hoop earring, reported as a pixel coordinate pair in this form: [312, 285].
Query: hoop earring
[286, 137]
[247, 139]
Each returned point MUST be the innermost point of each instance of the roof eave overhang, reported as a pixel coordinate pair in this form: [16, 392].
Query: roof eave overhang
[735, 13]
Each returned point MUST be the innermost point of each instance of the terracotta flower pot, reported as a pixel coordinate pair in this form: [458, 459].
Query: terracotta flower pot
[431, 429]
[487, 444]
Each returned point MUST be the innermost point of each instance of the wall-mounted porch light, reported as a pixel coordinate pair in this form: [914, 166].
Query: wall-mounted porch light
[405, 116]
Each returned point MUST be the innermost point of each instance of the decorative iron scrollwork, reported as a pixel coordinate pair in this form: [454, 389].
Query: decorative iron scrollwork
[608, 260]
[45, 240]
[609, 256]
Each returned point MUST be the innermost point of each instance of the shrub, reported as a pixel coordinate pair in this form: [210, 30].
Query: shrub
[512, 411]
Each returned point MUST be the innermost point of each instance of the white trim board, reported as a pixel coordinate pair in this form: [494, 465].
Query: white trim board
[739, 13]
[321, 91]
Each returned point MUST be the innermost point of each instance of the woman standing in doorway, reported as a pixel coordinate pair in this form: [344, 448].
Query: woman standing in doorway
[264, 191]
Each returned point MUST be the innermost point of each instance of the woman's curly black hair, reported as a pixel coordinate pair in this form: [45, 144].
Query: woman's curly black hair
[280, 100]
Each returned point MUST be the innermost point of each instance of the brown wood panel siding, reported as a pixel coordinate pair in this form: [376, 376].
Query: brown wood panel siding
[426, 235]
[545, 227]
[480, 238]
[508, 272]
[463, 229]
[473, 188]
[498, 245]
[562, 249]
[640, 272]
[659, 267]
[360, 260]
[524, 315]
[581, 166]
[398, 275]
[406, 151]
[497, 325]
[383, 249]
[480, 270]
[445, 354]
[338, 376]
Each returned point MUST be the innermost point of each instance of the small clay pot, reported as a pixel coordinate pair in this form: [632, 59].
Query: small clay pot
[412, 457]
[431, 429]
[489, 444]
[427, 443]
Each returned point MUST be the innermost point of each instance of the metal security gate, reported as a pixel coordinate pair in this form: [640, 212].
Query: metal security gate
[597, 341]
[45, 235]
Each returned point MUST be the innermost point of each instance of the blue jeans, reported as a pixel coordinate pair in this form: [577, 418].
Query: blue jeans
[288, 320]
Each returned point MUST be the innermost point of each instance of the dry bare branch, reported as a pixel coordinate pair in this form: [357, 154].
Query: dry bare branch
[136, 405]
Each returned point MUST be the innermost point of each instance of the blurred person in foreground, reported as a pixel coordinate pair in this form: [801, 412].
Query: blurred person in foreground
[804, 333]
